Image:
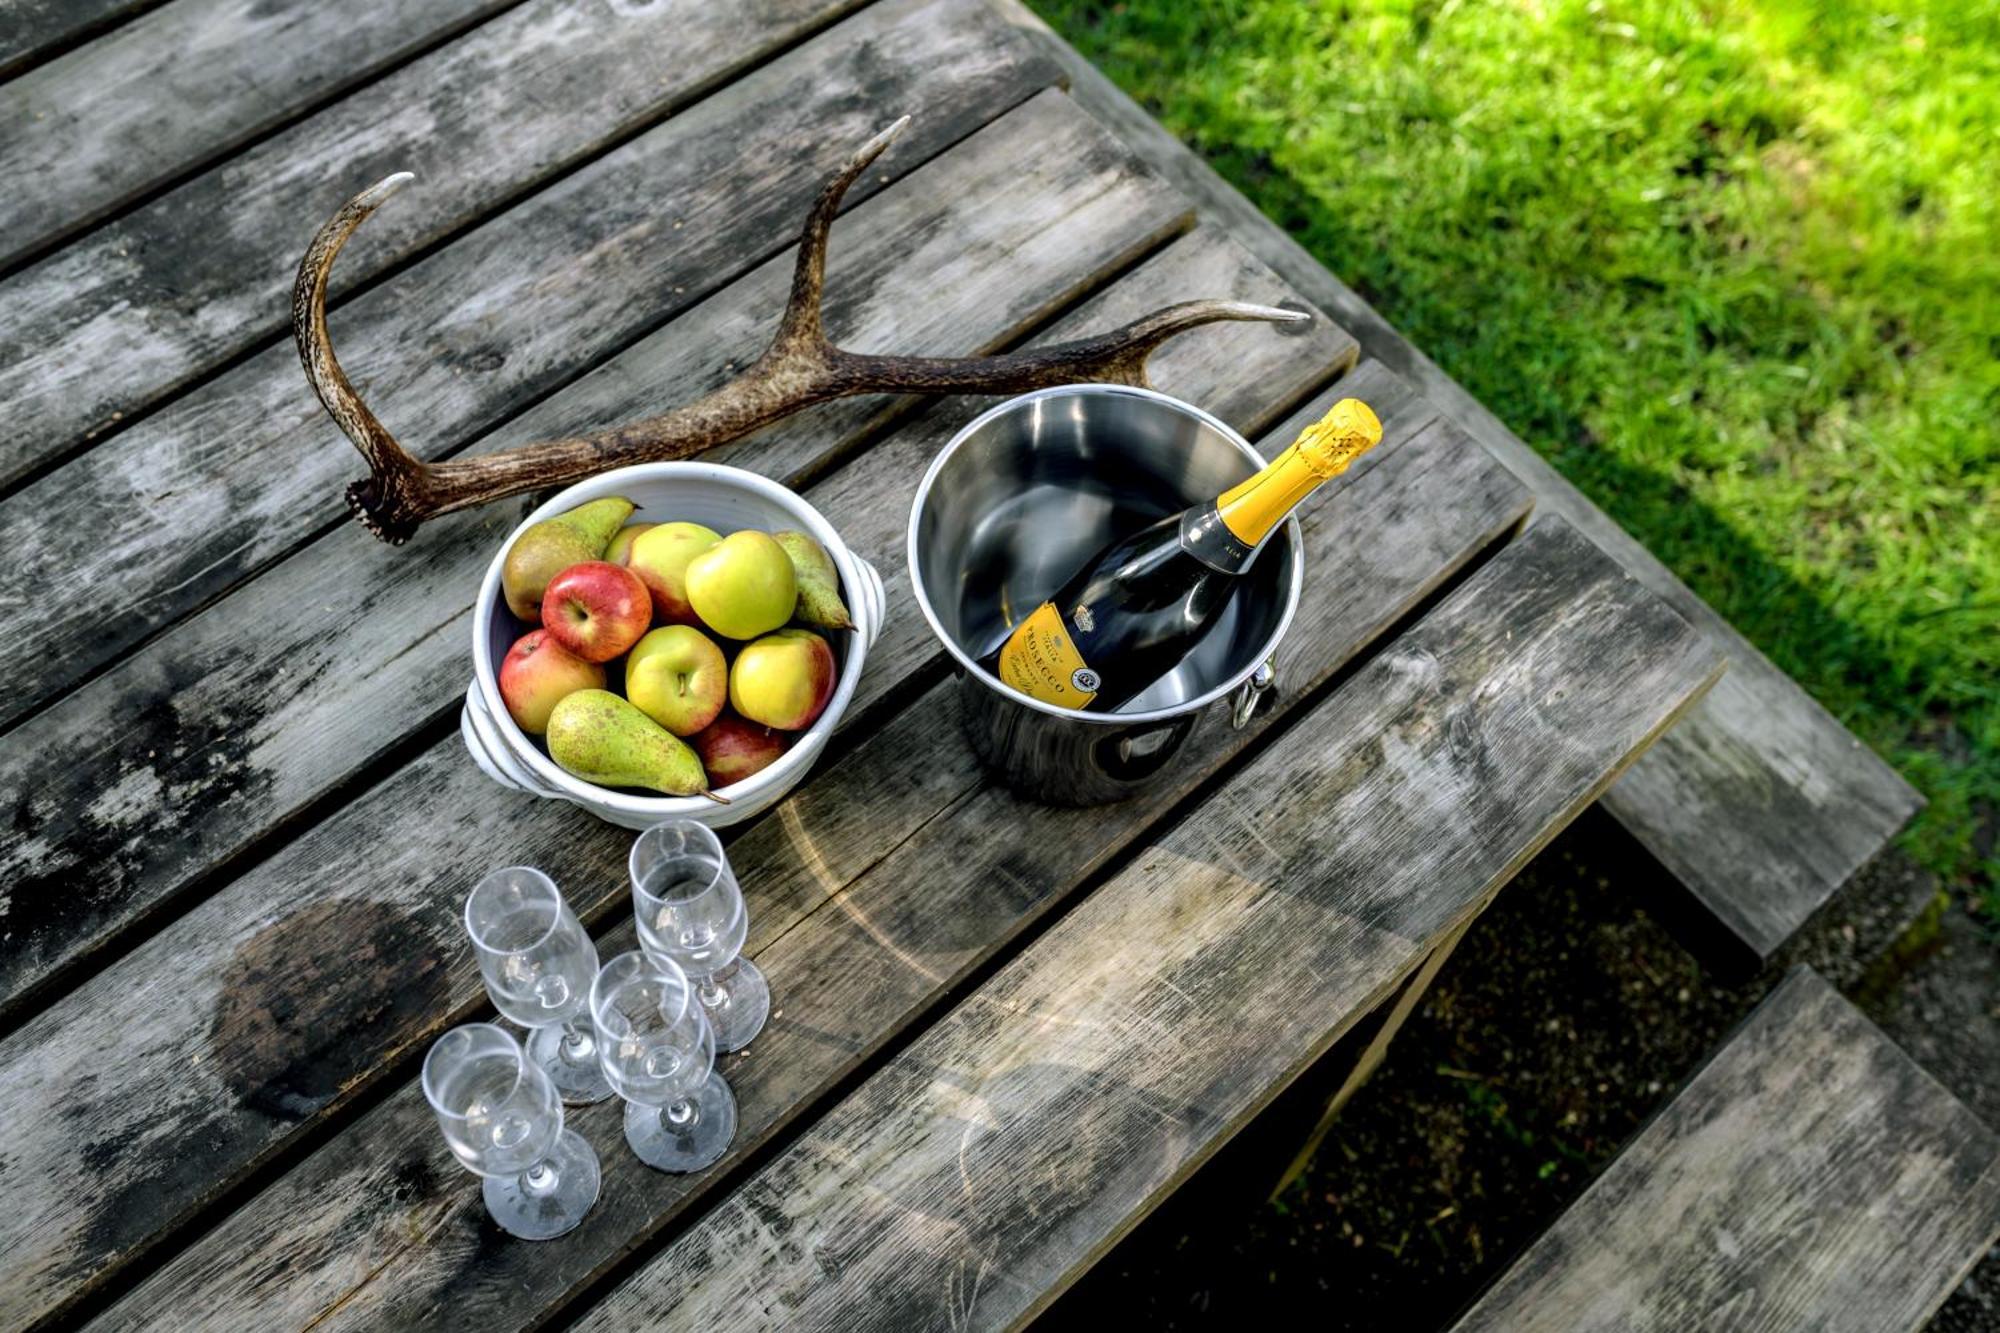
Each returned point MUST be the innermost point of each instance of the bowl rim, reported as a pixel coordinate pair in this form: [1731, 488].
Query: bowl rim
[805, 747]
[1264, 653]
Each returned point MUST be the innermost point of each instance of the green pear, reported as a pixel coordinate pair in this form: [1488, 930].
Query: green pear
[819, 602]
[601, 738]
[549, 547]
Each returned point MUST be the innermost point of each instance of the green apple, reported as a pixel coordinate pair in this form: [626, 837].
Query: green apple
[678, 677]
[620, 550]
[660, 558]
[743, 586]
[783, 680]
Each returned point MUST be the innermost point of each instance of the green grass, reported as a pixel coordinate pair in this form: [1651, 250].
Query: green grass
[1734, 268]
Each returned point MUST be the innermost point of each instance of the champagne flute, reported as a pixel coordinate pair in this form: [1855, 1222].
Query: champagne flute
[538, 963]
[502, 1119]
[690, 911]
[659, 1051]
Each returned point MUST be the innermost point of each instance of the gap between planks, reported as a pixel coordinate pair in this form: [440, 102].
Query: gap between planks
[915, 730]
[131, 115]
[312, 710]
[1199, 353]
[117, 297]
[436, 351]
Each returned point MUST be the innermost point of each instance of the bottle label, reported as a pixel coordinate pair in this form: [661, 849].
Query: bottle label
[1039, 660]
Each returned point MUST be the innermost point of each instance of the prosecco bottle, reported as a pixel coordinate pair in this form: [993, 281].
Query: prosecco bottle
[1139, 606]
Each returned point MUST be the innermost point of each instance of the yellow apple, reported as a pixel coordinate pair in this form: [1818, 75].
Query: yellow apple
[742, 586]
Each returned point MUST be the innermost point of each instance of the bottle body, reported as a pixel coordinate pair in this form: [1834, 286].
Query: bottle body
[1137, 608]
[1121, 622]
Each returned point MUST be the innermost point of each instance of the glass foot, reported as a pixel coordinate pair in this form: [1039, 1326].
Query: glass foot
[745, 1004]
[691, 1145]
[579, 1079]
[542, 1208]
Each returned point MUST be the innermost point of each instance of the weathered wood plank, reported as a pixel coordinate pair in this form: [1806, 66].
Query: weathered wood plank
[35, 30]
[971, 1179]
[107, 326]
[200, 957]
[1760, 801]
[1811, 1176]
[962, 867]
[216, 486]
[117, 784]
[93, 129]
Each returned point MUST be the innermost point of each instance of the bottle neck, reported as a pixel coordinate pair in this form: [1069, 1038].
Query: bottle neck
[1227, 534]
[1252, 508]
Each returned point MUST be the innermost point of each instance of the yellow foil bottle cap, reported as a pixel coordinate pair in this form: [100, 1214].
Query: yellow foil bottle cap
[1349, 429]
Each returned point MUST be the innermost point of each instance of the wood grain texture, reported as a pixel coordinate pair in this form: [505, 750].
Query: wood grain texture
[171, 763]
[1811, 1176]
[231, 477]
[971, 1179]
[1087, 212]
[1759, 801]
[176, 87]
[890, 873]
[113, 322]
[35, 30]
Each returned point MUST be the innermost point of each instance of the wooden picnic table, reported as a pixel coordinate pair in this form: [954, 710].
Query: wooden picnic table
[243, 824]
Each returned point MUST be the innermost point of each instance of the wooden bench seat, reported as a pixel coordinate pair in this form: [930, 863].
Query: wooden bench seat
[1811, 1176]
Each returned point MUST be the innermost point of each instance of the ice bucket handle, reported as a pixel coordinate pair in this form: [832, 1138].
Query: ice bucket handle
[1244, 704]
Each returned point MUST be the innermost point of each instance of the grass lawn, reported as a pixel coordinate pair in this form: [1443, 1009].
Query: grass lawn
[1734, 268]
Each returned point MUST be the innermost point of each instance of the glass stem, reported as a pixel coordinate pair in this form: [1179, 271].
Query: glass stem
[681, 1116]
[579, 1046]
[541, 1179]
[709, 989]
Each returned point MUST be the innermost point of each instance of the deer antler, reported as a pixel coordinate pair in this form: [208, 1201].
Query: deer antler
[799, 368]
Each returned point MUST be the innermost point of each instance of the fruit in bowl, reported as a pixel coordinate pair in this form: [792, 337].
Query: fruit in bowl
[596, 609]
[732, 748]
[535, 675]
[553, 545]
[678, 677]
[783, 680]
[604, 739]
[744, 585]
[660, 557]
[620, 699]
[620, 550]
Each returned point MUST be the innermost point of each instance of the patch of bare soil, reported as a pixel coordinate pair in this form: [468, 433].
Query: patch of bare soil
[1566, 1018]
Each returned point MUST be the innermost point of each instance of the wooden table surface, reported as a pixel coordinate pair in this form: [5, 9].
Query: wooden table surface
[242, 823]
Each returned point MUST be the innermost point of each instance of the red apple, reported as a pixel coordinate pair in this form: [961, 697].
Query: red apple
[783, 679]
[596, 609]
[535, 675]
[731, 749]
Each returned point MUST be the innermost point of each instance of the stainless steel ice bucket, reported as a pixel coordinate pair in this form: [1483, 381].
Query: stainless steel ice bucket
[1011, 507]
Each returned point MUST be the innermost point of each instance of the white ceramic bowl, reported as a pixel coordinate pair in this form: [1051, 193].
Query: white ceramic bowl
[724, 498]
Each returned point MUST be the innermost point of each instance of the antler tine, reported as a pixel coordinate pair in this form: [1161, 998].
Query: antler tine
[798, 369]
[1115, 357]
[394, 476]
[801, 324]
